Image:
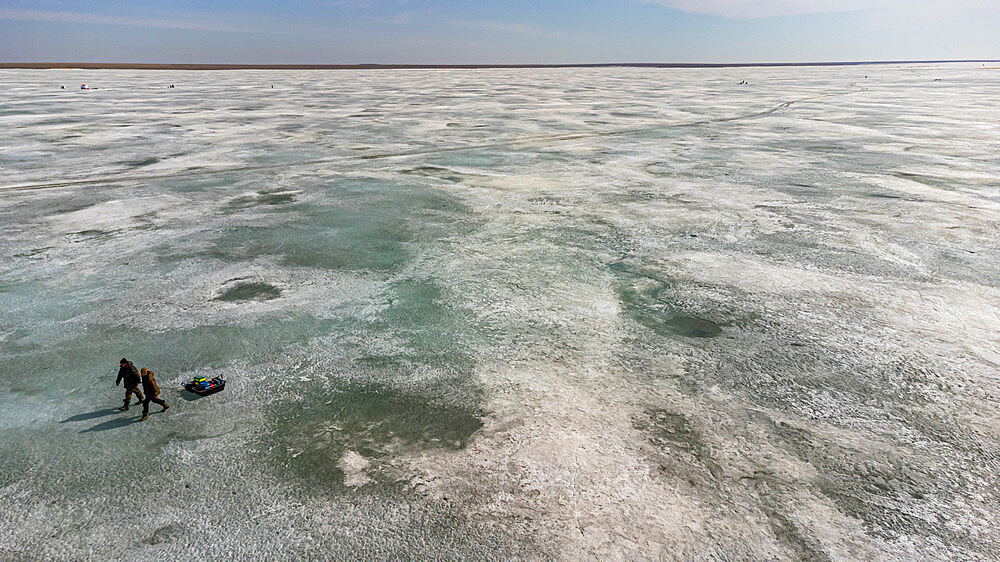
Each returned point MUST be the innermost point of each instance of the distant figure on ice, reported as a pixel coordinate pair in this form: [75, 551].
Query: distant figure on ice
[152, 393]
[128, 373]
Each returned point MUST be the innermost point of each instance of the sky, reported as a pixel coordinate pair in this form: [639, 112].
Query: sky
[500, 32]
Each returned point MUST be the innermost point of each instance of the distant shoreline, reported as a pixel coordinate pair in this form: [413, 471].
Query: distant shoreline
[150, 66]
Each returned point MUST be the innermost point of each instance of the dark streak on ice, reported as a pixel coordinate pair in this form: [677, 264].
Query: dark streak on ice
[255, 291]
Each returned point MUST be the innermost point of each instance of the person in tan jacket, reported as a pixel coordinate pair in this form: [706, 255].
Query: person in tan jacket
[152, 393]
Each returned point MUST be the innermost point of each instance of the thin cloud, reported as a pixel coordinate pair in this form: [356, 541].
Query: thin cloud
[348, 4]
[402, 18]
[748, 9]
[507, 27]
[752, 9]
[101, 19]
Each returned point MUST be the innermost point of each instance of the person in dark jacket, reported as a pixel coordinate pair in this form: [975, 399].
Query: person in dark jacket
[152, 393]
[130, 375]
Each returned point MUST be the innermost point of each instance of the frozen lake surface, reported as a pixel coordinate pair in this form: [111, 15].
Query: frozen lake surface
[632, 313]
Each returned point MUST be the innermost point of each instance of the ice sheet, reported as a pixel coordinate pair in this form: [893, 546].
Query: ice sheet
[602, 313]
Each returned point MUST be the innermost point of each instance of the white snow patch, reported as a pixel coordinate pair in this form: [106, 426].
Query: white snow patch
[353, 465]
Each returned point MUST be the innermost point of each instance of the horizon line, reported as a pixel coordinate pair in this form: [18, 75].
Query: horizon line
[396, 66]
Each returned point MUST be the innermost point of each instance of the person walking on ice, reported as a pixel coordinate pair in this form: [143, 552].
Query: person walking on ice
[152, 394]
[128, 373]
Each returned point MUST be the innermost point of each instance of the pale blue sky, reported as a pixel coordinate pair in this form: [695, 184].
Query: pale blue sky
[513, 31]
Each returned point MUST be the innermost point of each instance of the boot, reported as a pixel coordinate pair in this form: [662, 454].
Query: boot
[144, 417]
[165, 406]
[124, 407]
